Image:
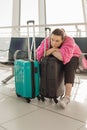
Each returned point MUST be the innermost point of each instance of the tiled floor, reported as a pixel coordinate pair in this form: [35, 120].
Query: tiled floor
[16, 114]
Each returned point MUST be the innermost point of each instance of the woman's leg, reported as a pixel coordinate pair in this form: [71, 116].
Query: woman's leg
[68, 89]
[69, 76]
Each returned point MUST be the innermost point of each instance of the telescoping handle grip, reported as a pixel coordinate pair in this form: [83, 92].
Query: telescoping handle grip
[33, 40]
[30, 21]
[47, 33]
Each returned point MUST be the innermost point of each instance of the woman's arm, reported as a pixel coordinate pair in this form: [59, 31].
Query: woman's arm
[58, 55]
[40, 49]
[50, 51]
[55, 53]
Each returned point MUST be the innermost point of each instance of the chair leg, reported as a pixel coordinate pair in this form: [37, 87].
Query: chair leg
[8, 78]
[77, 80]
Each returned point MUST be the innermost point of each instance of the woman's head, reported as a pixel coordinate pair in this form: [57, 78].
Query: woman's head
[57, 37]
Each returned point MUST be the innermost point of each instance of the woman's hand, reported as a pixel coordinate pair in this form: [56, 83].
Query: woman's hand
[58, 55]
[50, 51]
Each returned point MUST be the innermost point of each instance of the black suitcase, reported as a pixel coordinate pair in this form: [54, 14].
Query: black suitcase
[51, 83]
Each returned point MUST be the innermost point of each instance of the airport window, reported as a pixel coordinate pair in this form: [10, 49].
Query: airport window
[29, 11]
[5, 16]
[64, 11]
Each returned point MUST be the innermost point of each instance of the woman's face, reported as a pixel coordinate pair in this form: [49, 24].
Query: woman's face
[56, 40]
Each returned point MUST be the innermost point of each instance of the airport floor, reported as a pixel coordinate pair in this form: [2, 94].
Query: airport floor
[17, 114]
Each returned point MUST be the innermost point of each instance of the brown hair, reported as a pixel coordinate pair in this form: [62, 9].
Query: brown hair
[59, 32]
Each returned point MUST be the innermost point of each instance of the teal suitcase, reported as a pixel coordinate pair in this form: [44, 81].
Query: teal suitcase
[27, 75]
[27, 79]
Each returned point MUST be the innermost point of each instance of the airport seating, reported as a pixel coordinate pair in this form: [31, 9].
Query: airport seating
[19, 47]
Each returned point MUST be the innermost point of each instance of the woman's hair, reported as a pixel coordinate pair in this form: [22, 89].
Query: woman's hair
[59, 32]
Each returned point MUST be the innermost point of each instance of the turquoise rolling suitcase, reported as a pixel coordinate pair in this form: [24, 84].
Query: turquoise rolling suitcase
[27, 79]
[27, 75]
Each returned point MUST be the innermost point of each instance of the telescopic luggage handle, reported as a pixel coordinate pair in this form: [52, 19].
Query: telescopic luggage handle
[30, 21]
[33, 40]
[49, 31]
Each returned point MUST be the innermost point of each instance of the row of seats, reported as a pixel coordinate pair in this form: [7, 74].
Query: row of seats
[22, 44]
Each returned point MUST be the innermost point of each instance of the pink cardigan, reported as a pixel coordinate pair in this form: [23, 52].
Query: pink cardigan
[68, 49]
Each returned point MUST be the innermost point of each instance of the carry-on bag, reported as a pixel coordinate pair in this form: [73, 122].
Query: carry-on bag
[27, 76]
[51, 83]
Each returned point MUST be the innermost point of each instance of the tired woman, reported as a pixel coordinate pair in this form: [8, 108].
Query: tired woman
[66, 50]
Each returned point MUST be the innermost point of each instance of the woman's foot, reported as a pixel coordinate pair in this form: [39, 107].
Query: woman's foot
[64, 101]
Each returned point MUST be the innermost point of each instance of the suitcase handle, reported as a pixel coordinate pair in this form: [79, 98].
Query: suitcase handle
[30, 21]
[46, 29]
[49, 29]
[33, 40]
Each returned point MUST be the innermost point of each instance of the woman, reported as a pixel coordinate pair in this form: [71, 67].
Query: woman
[66, 50]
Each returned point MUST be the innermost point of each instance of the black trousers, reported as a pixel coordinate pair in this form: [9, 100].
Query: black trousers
[70, 69]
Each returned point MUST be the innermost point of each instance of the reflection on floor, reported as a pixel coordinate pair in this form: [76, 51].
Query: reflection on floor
[16, 114]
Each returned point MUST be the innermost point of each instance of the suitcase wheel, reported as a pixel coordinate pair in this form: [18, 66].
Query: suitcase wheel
[55, 100]
[42, 98]
[50, 99]
[28, 100]
[38, 97]
[18, 95]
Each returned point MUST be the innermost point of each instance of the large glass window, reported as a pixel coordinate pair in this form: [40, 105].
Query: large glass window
[5, 20]
[29, 11]
[5, 16]
[64, 11]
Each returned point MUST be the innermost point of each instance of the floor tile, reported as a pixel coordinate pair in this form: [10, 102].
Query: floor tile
[83, 128]
[2, 128]
[8, 89]
[74, 110]
[16, 114]
[77, 108]
[12, 108]
[2, 97]
[43, 120]
[41, 103]
[79, 92]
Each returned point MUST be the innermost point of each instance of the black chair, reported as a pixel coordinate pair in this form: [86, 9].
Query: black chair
[82, 43]
[15, 44]
[21, 53]
[18, 49]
